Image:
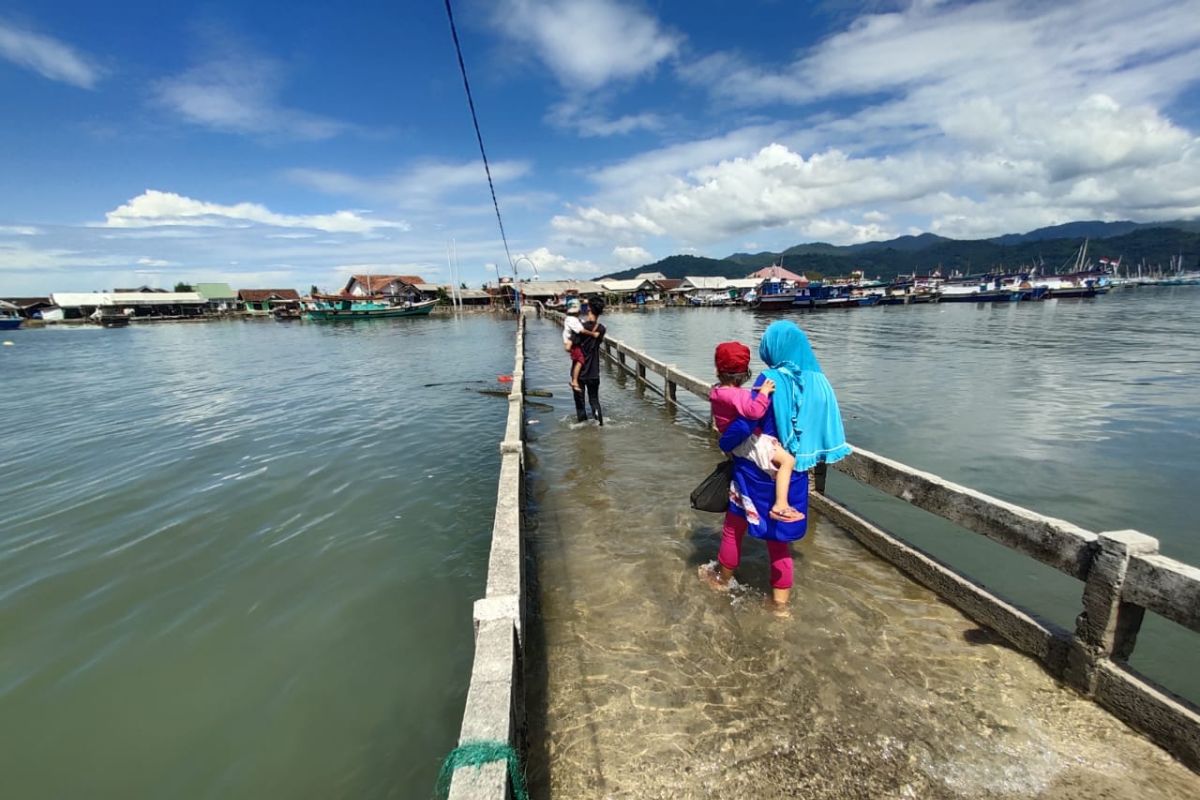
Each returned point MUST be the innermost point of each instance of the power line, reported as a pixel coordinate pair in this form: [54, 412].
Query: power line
[475, 119]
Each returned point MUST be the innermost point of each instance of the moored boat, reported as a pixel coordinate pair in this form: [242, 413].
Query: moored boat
[328, 309]
[10, 320]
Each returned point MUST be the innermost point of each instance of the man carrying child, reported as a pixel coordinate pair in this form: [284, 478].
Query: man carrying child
[585, 370]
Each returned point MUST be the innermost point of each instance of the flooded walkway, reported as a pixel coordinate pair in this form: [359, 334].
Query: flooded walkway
[646, 684]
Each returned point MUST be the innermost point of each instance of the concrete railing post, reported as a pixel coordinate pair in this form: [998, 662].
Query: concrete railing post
[1108, 626]
[641, 371]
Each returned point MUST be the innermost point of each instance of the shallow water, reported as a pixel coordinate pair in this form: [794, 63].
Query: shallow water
[1086, 410]
[237, 560]
[653, 686]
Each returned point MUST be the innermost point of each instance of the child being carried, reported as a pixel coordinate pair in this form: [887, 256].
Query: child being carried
[730, 401]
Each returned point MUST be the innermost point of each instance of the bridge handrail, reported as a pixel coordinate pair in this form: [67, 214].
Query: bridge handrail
[495, 708]
[1122, 571]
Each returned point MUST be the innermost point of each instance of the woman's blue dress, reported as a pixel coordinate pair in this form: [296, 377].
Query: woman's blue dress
[752, 491]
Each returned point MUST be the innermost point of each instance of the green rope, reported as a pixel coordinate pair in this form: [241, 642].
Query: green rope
[476, 754]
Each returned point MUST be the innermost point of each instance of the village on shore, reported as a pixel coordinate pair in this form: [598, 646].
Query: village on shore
[368, 296]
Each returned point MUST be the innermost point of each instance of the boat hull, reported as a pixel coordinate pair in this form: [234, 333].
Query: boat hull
[334, 314]
[8, 324]
[777, 302]
[991, 296]
[1068, 293]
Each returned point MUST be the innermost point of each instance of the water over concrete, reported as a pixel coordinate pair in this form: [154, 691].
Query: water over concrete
[647, 684]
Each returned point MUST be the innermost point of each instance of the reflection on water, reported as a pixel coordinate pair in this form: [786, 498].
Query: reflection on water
[654, 686]
[237, 559]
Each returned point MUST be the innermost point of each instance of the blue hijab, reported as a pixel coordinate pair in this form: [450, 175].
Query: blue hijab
[807, 419]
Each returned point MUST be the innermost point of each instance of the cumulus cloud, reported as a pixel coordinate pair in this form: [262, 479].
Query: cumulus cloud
[550, 264]
[587, 43]
[966, 119]
[47, 56]
[156, 208]
[239, 93]
[632, 255]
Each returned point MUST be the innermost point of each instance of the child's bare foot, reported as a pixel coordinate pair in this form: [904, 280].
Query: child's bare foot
[711, 575]
[786, 514]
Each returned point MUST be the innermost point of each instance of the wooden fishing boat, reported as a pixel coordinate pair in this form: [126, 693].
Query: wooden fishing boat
[332, 308]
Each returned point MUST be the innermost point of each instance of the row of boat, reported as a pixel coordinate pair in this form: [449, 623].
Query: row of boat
[976, 289]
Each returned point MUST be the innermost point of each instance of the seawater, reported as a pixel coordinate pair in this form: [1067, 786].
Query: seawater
[237, 559]
[1087, 410]
[646, 683]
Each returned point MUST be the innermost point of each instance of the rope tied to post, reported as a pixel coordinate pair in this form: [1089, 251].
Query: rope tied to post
[476, 754]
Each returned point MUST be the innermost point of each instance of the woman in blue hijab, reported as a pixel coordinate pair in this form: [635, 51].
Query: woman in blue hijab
[805, 418]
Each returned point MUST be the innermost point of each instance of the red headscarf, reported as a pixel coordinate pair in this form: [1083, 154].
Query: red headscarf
[732, 358]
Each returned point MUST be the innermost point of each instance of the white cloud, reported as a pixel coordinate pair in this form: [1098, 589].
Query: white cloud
[587, 43]
[417, 186]
[47, 56]
[632, 255]
[575, 115]
[974, 119]
[239, 93]
[18, 230]
[843, 231]
[154, 262]
[19, 258]
[156, 208]
[550, 264]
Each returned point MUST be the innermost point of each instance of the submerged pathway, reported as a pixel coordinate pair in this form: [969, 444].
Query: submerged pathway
[646, 684]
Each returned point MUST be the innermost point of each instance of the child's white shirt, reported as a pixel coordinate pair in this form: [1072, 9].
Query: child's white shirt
[571, 325]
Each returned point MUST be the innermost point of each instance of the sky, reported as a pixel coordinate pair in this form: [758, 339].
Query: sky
[283, 145]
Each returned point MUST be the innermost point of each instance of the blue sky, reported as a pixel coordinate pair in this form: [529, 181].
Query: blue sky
[289, 144]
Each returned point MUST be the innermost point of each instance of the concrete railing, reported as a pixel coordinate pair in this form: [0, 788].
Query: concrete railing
[1122, 573]
[495, 709]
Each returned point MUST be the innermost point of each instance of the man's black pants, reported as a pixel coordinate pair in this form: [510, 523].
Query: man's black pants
[592, 387]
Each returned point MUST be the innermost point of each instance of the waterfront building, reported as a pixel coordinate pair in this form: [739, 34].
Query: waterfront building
[219, 297]
[262, 302]
[144, 303]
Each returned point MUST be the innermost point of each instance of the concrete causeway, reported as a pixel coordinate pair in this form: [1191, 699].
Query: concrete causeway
[644, 683]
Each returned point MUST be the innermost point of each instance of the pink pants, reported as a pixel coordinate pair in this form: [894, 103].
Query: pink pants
[730, 553]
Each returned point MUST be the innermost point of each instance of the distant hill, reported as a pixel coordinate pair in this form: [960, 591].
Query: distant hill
[1093, 229]
[1054, 247]
[682, 266]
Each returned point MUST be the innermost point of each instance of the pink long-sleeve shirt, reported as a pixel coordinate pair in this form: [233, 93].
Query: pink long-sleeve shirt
[731, 402]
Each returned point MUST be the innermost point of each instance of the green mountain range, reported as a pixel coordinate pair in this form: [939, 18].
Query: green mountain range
[1055, 247]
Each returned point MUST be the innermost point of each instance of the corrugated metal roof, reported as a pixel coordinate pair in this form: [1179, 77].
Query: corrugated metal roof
[215, 291]
[552, 288]
[743, 283]
[78, 299]
[708, 282]
[259, 295]
[628, 285]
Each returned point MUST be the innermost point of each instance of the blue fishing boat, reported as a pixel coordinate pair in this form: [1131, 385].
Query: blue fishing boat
[334, 308]
[10, 320]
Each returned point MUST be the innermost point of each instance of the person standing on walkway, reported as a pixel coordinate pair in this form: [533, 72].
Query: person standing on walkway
[589, 339]
[805, 418]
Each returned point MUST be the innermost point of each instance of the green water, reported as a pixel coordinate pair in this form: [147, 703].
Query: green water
[237, 560]
[1085, 410]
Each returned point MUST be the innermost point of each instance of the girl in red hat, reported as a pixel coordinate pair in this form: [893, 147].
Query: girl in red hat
[730, 401]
